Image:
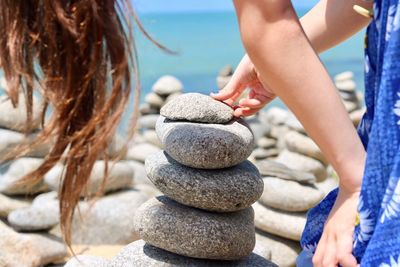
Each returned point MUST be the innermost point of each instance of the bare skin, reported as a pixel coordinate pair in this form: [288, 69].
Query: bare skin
[286, 65]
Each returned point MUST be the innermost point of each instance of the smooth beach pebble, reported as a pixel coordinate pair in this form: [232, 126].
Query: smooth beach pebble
[206, 146]
[88, 261]
[348, 86]
[140, 254]
[280, 223]
[167, 85]
[29, 250]
[195, 233]
[224, 190]
[344, 76]
[196, 107]
[8, 204]
[276, 169]
[289, 195]
[303, 163]
[297, 142]
[120, 176]
[283, 251]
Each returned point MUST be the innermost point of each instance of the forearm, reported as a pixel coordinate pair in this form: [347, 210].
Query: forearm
[288, 65]
[331, 22]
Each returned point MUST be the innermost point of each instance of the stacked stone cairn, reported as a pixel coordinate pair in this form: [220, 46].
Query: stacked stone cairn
[205, 216]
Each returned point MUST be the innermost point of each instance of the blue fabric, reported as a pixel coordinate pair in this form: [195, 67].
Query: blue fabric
[377, 236]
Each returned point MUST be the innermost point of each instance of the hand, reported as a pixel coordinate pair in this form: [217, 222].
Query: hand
[244, 77]
[336, 244]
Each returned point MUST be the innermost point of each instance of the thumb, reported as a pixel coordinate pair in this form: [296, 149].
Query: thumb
[231, 91]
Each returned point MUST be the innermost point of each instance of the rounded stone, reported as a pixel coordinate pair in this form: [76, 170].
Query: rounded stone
[299, 143]
[281, 223]
[275, 169]
[289, 195]
[344, 76]
[347, 86]
[206, 146]
[195, 233]
[197, 107]
[139, 254]
[225, 190]
[167, 85]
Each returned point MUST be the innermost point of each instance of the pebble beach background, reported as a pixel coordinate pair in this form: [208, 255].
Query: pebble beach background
[294, 173]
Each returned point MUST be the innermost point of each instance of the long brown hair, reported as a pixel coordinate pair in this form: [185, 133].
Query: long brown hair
[81, 56]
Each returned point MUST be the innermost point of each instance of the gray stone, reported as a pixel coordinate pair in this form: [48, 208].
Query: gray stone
[148, 121]
[277, 116]
[11, 174]
[350, 106]
[172, 96]
[197, 107]
[149, 190]
[151, 137]
[195, 233]
[109, 220]
[167, 85]
[285, 224]
[356, 116]
[43, 214]
[347, 86]
[140, 152]
[294, 123]
[15, 118]
[302, 163]
[265, 142]
[8, 205]
[259, 126]
[261, 153]
[140, 176]
[349, 96]
[328, 185]
[28, 250]
[297, 142]
[289, 195]
[278, 132]
[283, 252]
[206, 146]
[87, 261]
[120, 176]
[140, 254]
[275, 169]
[9, 140]
[344, 76]
[225, 190]
[147, 109]
[154, 100]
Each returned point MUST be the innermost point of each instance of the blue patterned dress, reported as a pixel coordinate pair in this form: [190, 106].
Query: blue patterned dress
[377, 236]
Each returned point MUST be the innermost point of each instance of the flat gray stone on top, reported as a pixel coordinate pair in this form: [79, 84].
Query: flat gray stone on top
[289, 195]
[281, 223]
[276, 169]
[140, 254]
[195, 233]
[206, 146]
[197, 107]
[224, 190]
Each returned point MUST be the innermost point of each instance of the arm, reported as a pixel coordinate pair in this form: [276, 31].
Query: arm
[337, 23]
[287, 64]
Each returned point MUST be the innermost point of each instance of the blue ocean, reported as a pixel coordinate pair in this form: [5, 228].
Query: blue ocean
[205, 42]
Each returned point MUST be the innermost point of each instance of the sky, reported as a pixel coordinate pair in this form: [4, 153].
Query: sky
[157, 6]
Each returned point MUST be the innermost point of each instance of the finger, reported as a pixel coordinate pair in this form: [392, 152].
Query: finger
[245, 112]
[319, 252]
[232, 99]
[231, 91]
[330, 259]
[345, 249]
